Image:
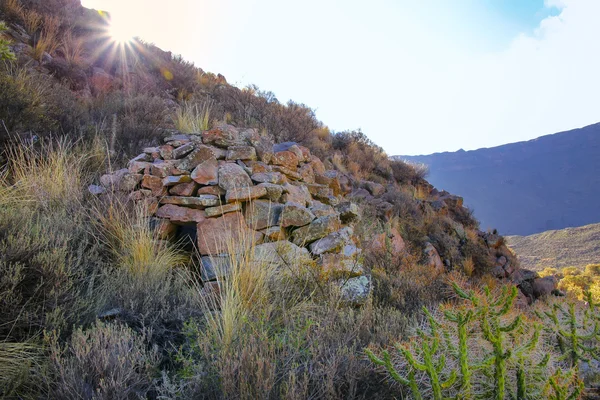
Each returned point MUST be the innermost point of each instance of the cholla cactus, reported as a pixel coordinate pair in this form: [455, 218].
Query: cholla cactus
[576, 334]
[429, 360]
[564, 385]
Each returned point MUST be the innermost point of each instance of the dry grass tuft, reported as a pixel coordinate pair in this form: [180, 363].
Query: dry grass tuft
[16, 361]
[48, 40]
[135, 246]
[193, 117]
[52, 172]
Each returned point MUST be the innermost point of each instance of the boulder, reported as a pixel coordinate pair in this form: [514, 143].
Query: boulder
[175, 180]
[183, 150]
[295, 214]
[241, 153]
[296, 194]
[166, 152]
[245, 193]
[207, 172]
[339, 265]
[226, 234]
[433, 258]
[129, 182]
[180, 214]
[214, 190]
[285, 159]
[376, 189]
[184, 189]
[155, 184]
[333, 242]
[281, 254]
[225, 135]
[306, 173]
[390, 241]
[355, 291]
[232, 176]
[198, 156]
[162, 228]
[348, 211]
[289, 173]
[317, 229]
[274, 192]
[274, 233]
[544, 286]
[320, 209]
[215, 267]
[261, 214]
[317, 165]
[276, 178]
[202, 201]
[222, 209]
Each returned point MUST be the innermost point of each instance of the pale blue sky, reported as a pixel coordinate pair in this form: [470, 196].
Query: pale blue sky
[416, 76]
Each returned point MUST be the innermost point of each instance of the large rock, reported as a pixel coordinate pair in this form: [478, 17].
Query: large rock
[162, 228]
[317, 229]
[348, 212]
[282, 254]
[286, 159]
[320, 209]
[296, 194]
[276, 178]
[175, 180]
[245, 193]
[222, 209]
[262, 214]
[274, 192]
[339, 265]
[376, 189]
[392, 242]
[199, 155]
[333, 242]
[206, 172]
[544, 286]
[226, 136]
[183, 150]
[433, 258]
[241, 153]
[355, 291]
[295, 214]
[202, 201]
[226, 234]
[155, 184]
[232, 176]
[184, 189]
[215, 267]
[180, 214]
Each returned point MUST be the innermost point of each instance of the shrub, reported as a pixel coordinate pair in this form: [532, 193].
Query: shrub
[106, 361]
[408, 173]
[5, 52]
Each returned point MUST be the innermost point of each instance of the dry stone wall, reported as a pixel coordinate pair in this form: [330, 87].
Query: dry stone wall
[235, 187]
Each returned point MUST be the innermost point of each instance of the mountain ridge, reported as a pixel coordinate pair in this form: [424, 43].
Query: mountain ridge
[550, 182]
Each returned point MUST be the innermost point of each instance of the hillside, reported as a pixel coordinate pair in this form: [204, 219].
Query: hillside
[576, 247]
[167, 235]
[551, 182]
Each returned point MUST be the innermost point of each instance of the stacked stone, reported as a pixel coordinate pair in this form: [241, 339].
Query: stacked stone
[234, 185]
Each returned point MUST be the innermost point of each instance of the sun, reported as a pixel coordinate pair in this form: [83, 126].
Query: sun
[121, 30]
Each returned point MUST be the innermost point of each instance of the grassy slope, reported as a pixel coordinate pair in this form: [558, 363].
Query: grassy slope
[560, 248]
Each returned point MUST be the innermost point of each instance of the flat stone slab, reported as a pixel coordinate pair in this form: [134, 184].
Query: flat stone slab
[245, 193]
[180, 214]
[222, 209]
[226, 234]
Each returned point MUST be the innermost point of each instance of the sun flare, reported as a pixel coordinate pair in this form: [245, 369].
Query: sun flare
[121, 30]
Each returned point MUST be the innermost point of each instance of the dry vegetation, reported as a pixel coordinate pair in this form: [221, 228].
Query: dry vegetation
[94, 305]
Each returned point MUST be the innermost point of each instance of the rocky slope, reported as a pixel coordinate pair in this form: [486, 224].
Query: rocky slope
[235, 187]
[551, 182]
[569, 247]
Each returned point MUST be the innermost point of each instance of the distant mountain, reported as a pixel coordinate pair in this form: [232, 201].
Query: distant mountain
[551, 182]
[576, 247]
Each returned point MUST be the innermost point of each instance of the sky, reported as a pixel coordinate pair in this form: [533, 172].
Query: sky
[416, 76]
